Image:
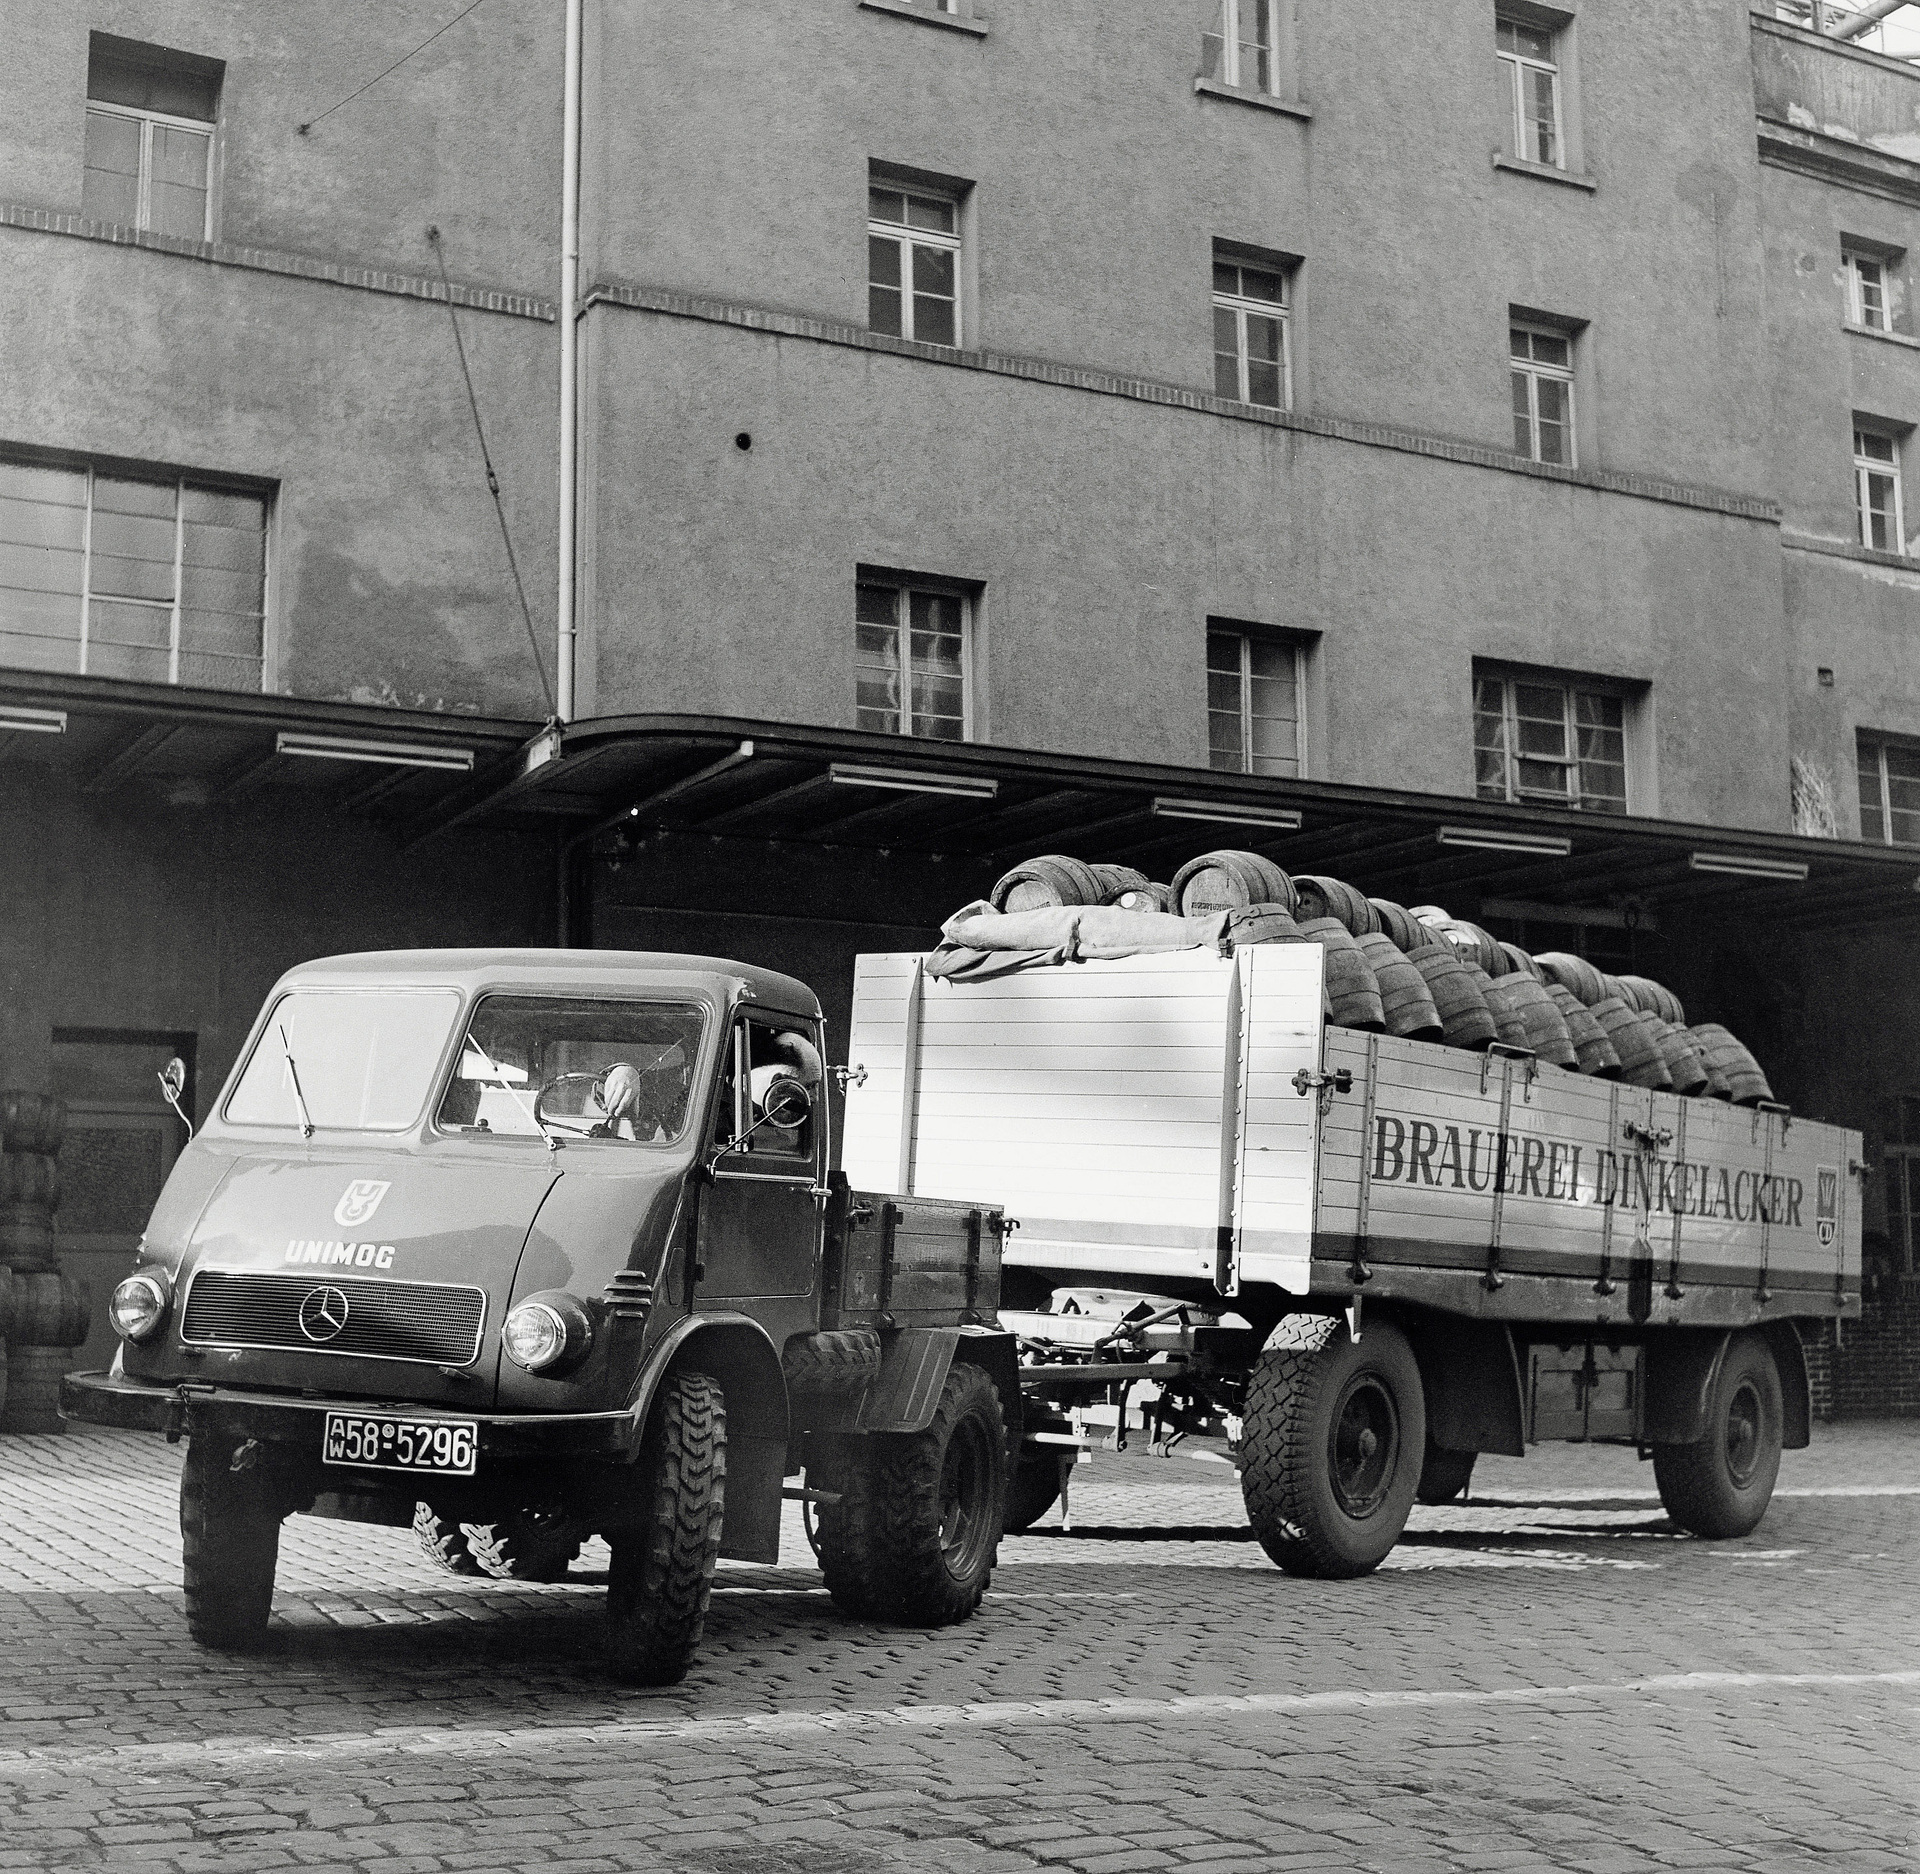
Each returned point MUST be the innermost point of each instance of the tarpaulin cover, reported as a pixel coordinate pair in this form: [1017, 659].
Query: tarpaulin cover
[978, 943]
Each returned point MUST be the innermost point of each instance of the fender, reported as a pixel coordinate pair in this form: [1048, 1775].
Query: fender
[1796, 1385]
[1683, 1366]
[914, 1364]
[1470, 1373]
[738, 1352]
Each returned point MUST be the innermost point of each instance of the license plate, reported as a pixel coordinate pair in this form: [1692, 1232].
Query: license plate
[446, 1447]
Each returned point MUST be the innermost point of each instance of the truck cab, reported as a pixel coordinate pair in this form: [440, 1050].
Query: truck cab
[525, 1246]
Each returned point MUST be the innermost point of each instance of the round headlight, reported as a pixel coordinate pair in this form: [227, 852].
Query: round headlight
[534, 1335]
[138, 1307]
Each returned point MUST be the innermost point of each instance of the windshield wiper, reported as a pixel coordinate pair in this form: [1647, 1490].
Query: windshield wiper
[293, 1074]
[500, 1080]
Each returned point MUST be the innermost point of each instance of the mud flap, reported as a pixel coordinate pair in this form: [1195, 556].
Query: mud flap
[914, 1365]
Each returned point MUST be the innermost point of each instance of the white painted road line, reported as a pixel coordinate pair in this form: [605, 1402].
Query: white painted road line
[355, 1747]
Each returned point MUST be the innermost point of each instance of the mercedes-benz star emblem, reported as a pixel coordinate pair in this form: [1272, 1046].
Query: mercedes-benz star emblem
[323, 1313]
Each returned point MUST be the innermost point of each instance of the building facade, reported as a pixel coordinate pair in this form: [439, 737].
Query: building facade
[1471, 463]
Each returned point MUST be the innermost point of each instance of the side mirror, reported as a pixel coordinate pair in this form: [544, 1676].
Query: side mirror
[173, 1081]
[787, 1104]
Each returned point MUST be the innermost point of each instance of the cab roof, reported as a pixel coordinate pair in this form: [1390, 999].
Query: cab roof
[623, 972]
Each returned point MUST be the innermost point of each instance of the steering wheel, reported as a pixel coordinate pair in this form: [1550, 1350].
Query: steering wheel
[580, 1129]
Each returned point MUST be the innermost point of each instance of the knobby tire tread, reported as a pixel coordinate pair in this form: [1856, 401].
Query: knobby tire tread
[1276, 1444]
[443, 1542]
[229, 1548]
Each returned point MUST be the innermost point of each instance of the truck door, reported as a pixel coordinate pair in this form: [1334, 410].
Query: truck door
[759, 1223]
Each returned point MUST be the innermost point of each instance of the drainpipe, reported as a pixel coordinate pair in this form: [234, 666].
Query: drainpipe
[569, 364]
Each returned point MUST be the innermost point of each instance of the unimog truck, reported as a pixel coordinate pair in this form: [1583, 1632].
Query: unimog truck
[521, 1247]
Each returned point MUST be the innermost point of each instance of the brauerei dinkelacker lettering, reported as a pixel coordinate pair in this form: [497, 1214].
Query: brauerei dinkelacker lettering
[1471, 1158]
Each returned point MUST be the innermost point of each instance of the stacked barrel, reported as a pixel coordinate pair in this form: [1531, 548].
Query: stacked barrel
[1424, 974]
[44, 1312]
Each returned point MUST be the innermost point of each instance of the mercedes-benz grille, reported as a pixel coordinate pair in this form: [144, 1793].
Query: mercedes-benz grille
[314, 1313]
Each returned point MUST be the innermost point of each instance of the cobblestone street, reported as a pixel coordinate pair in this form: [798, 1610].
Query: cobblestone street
[1543, 1677]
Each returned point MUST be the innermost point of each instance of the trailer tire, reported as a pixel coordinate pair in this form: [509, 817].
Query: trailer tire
[1033, 1490]
[1720, 1486]
[1333, 1437]
[914, 1535]
[661, 1580]
[533, 1543]
[443, 1541]
[1445, 1474]
[229, 1546]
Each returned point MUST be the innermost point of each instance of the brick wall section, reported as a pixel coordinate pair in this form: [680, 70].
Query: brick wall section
[1875, 1370]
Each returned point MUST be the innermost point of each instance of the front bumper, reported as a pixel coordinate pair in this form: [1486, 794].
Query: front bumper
[273, 1418]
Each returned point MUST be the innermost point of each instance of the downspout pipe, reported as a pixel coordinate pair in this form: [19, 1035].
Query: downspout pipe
[569, 527]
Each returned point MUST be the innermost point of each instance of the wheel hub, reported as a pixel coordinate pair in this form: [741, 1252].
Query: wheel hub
[1743, 1434]
[1363, 1445]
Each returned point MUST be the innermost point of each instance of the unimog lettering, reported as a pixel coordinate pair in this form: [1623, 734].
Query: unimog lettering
[337, 1254]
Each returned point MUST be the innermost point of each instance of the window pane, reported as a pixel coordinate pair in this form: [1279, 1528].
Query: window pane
[1226, 279]
[1223, 651]
[1872, 444]
[875, 605]
[1543, 738]
[1872, 823]
[1520, 342]
[1223, 691]
[933, 322]
[1598, 710]
[1523, 414]
[1490, 774]
[1213, 51]
[1548, 349]
[1532, 42]
[922, 212]
[177, 195]
[1540, 699]
[933, 295]
[887, 205]
[1256, 44]
[1543, 118]
[1226, 354]
[1556, 420]
[1489, 695]
[1260, 283]
[1542, 778]
[110, 188]
[883, 310]
[1224, 747]
[1903, 795]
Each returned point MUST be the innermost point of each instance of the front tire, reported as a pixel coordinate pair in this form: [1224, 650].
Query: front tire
[914, 1535]
[661, 1579]
[1334, 1434]
[1721, 1486]
[230, 1546]
[535, 1543]
[443, 1541]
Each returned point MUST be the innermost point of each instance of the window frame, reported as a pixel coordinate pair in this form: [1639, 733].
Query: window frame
[1226, 28]
[1872, 739]
[1854, 258]
[906, 238]
[1247, 636]
[1518, 65]
[147, 120]
[1571, 687]
[903, 586]
[1534, 371]
[1242, 305]
[1866, 468]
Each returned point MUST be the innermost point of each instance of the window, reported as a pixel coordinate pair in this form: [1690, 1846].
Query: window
[1253, 703]
[1532, 79]
[1549, 742]
[1239, 44]
[1889, 791]
[354, 1060]
[1867, 298]
[162, 581]
[1252, 342]
[910, 660]
[1542, 394]
[913, 264]
[150, 116]
[1900, 1161]
[760, 1054]
[1876, 490]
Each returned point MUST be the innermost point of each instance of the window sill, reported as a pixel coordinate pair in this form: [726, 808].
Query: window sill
[1260, 100]
[1886, 338]
[1544, 171]
[926, 15]
[1849, 549]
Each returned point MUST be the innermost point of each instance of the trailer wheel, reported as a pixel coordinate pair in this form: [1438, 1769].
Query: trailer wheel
[1034, 1490]
[1445, 1474]
[443, 1541]
[661, 1579]
[229, 1544]
[535, 1543]
[920, 1515]
[1332, 1446]
[1721, 1486]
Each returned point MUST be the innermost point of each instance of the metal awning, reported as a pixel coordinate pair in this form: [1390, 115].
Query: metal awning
[206, 748]
[609, 781]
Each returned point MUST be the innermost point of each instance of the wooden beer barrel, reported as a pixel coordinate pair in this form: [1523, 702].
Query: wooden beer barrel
[1263, 924]
[1508, 1020]
[1113, 880]
[31, 1122]
[1035, 884]
[1725, 1054]
[1593, 1052]
[1641, 1062]
[1542, 1024]
[1334, 898]
[1572, 972]
[1406, 930]
[1434, 917]
[1523, 960]
[1465, 1019]
[1225, 881]
[29, 1179]
[1477, 946]
[1652, 998]
[1406, 1003]
[49, 1310]
[1677, 1050]
[33, 1377]
[1146, 898]
[1353, 991]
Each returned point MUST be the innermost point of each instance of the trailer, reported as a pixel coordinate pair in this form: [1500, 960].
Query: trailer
[1364, 1259]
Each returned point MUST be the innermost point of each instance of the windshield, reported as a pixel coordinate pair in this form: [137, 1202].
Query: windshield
[363, 1059]
[600, 1070]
